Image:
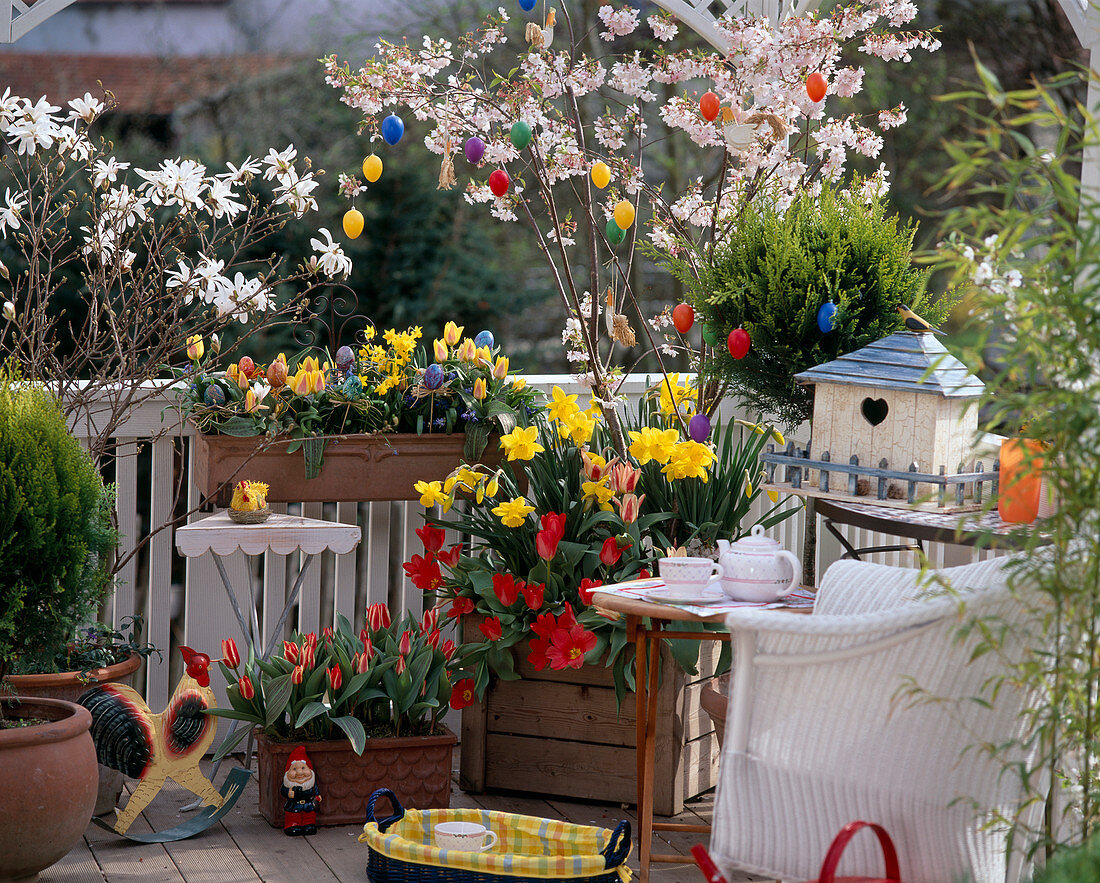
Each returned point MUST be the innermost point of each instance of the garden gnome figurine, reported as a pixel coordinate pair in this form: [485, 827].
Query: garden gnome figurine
[302, 798]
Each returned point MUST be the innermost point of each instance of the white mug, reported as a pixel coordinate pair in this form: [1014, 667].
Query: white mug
[687, 577]
[464, 836]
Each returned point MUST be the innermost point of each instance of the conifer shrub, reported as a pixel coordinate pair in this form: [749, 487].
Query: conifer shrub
[56, 535]
[773, 270]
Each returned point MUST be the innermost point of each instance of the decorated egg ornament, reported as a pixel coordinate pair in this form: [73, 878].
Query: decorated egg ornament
[520, 134]
[816, 86]
[484, 338]
[615, 234]
[433, 376]
[393, 127]
[527, 5]
[826, 317]
[699, 427]
[683, 317]
[353, 223]
[601, 175]
[214, 395]
[498, 182]
[345, 358]
[624, 214]
[739, 343]
[474, 148]
[708, 106]
[710, 336]
[372, 168]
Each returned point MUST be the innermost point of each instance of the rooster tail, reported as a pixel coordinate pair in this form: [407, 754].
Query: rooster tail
[121, 730]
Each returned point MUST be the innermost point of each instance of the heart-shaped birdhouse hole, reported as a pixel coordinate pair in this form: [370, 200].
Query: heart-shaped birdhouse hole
[874, 410]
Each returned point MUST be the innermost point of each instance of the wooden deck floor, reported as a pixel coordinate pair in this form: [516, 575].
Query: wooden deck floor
[243, 847]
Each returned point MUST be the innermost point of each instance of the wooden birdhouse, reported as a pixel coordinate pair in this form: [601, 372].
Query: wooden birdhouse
[894, 422]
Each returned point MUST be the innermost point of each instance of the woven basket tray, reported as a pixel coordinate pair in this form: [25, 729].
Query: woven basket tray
[400, 848]
[256, 516]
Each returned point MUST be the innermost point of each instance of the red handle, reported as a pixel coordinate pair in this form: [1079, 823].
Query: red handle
[706, 864]
[832, 857]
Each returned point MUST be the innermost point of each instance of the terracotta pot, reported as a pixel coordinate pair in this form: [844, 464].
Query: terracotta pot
[356, 468]
[68, 686]
[55, 763]
[1021, 464]
[416, 768]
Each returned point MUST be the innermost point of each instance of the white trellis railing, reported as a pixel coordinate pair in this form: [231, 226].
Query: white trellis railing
[182, 600]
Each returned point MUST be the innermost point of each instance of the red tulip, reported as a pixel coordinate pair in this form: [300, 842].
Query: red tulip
[405, 644]
[533, 594]
[327, 634]
[611, 552]
[434, 637]
[587, 587]
[364, 635]
[290, 651]
[463, 694]
[364, 660]
[335, 678]
[504, 585]
[460, 607]
[298, 675]
[450, 557]
[246, 688]
[491, 628]
[546, 544]
[554, 522]
[431, 537]
[230, 656]
[448, 648]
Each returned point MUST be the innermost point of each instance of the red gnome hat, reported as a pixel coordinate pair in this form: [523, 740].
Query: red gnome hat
[298, 753]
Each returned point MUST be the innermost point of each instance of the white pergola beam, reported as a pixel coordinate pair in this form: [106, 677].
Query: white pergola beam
[22, 18]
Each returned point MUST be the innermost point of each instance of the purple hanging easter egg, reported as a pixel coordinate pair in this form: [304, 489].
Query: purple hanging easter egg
[345, 358]
[474, 148]
[699, 428]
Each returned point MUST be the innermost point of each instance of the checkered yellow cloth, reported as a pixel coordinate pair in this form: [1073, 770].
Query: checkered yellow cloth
[527, 847]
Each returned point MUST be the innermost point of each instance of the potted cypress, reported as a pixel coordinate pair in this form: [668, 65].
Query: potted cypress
[55, 540]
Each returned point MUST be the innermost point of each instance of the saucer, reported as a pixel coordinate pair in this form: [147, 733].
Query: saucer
[685, 593]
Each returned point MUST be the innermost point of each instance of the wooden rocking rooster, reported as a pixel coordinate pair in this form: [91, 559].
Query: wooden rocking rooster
[154, 747]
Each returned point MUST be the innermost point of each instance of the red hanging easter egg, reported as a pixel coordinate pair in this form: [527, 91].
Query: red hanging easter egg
[739, 343]
[683, 317]
[498, 182]
[816, 86]
[708, 106]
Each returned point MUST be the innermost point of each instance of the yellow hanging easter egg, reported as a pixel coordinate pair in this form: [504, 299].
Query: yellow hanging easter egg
[601, 175]
[624, 214]
[353, 223]
[372, 168]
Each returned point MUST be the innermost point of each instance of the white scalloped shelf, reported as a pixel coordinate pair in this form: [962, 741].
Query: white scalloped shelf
[281, 534]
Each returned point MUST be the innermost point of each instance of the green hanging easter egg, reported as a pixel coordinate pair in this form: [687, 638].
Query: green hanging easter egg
[709, 337]
[520, 134]
[615, 234]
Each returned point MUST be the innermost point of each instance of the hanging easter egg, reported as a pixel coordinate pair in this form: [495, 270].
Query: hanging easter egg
[484, 338]
[739, 343]
[710, 336]
[699, 427]
[615, 234]
[353, 223]
[498, 182]
[345, 358]
[624, 214]
[601, 175]
[708, 106]
[214, 395]
[372, 168]
[520, 134]
[527, 5]
[352, 387]
[816, 86]
[683, 317]
[474, 148]
[826, 317]
[433, 376]
[393, 127]
[247, 367]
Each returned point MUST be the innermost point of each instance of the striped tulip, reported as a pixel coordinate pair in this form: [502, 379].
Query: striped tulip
[401, 665]
[311, 639]
[468, 351]
[480, 390]
[378, 616]
[246, 688]
[452, 333]
[405, 644]
[297, 675]
[195, 349]
[364, 661]
[439, 350]
[290, 651]
[500, 369]
[309, 656]
[448, 648]
[335, 677]
[430, 620]
[230, 655]
[368, 649]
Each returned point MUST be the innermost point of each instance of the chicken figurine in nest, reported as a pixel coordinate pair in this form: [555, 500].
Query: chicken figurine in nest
[249, 503]
[154, 747]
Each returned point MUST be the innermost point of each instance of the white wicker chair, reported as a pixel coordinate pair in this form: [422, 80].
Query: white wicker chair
[818, 733]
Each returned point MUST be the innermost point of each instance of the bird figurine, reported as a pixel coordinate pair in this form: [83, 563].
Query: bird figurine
[541, 38]
[618, 326]
[151, 747]
[913, 322]
[249, 503]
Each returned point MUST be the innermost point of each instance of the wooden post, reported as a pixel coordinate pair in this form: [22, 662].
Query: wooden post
[912, 497]
[978, 467]
[852, 477]
[942, 496]
[882, 464]
[823, 482]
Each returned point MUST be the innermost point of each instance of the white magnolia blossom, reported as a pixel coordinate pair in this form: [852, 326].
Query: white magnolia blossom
[32, 126]
[243, 173]
[330, 257]
[220, 201]
[279, 164]
[106, 171]
[294, 192]
[86, 108]
[9, 311]
[248, 294]
[177, 182]
[9, 212]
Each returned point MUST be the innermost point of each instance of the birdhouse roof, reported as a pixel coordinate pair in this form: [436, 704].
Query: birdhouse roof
[907, 360]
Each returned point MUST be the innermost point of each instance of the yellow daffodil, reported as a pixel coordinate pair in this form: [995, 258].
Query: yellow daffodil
[500, 369]
[439, 349]
[492, 486]
[561, 406]
[519, 383]
[651, 443]
[748, 484]
[594, 410]
[521, 444]
[598, 492]
[689, 459]
[773, 495]
[430, 492]
[577, 426]
[673, 396]
[452, 333]
[778, 436]
[195, 348]
[514, 512]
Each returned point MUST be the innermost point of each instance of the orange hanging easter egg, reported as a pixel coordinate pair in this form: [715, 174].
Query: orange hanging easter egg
[372, 168]
[353, 223]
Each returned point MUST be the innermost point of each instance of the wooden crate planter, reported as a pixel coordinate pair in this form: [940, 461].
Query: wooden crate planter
[561, 733]
[356, 468]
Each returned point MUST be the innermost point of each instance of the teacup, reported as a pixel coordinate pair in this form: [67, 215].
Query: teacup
[465, 836]
[686, 578]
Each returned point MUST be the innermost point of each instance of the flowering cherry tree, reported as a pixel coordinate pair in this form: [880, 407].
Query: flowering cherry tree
[565, 135]
[162, 257]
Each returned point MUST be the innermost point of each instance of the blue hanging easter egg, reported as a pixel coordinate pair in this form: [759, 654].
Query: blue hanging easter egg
[352, 387]
[433, 376]
[214, 395]
[393, 127]
[826, 317]
[699, 427]
[527, 5]
[345, 358]
[484, 338]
